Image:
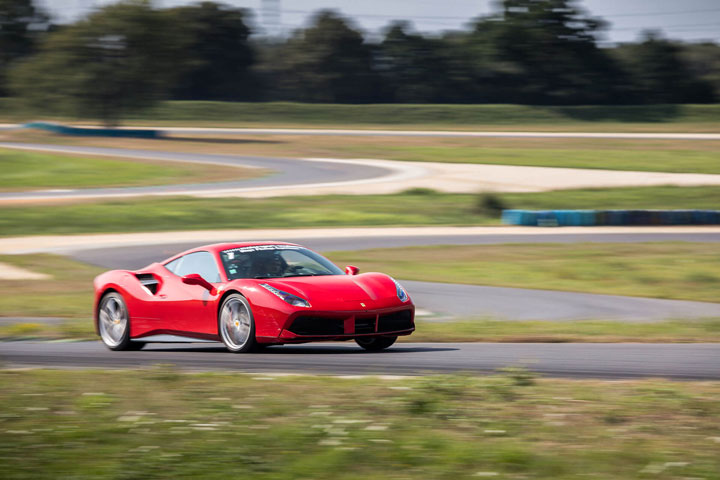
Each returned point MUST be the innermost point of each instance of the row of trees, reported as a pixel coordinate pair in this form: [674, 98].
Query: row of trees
[128, 54]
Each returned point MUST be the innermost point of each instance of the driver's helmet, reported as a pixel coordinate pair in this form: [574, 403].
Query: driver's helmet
[239, 266]
[268, 264]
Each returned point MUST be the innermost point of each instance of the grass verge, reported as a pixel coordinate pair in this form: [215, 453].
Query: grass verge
[173, 213]
[680, 156]
[417, 207]
[683, 271]
[32, 170]
[463, 117]
[585, 331]
[161, 423]
[675, 161]
[67, 293]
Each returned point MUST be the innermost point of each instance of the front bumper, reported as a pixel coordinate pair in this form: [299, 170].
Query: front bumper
[309, 326]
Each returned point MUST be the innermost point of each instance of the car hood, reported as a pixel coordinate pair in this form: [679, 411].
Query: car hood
[368, 286]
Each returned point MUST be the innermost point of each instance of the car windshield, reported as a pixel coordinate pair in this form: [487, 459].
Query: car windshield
[275, 261]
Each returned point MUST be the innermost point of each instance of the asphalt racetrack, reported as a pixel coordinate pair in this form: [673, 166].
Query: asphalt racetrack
[286, 173]
[615, 361]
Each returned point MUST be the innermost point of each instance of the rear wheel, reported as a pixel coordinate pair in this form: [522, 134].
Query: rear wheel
[236, 324]
[114, 323]
[375, 344]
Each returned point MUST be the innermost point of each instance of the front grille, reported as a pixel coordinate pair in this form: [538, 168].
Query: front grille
[365, 324]
[318, 326]
[310, 325]
[395, 321]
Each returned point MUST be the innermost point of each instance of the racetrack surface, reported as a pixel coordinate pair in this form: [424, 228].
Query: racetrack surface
[678, 361]
[286, 173]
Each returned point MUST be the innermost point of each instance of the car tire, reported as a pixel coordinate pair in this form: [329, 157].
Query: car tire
[114, 323]
[236, 324]
[375, 344]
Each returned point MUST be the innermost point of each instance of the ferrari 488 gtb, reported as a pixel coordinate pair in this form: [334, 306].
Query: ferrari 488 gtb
[248, 295]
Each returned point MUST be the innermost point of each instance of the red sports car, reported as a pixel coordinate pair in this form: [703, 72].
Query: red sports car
[249, 295]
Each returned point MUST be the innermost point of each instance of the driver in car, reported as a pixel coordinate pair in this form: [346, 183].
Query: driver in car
[268, 264]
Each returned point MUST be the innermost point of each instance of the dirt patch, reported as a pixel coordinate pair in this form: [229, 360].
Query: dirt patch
[11, 272]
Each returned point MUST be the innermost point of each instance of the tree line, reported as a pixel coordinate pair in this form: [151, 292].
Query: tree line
[543, 52]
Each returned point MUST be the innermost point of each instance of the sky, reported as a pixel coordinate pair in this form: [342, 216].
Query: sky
[691, 20]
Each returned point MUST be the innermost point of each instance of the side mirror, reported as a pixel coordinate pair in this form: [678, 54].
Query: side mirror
[195, 279]
[352, 270]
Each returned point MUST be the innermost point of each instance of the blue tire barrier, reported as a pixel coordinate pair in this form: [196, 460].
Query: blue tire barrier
[587, 218]
[93, 132]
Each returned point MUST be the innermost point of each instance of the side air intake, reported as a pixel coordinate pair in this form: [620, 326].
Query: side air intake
[148, 281]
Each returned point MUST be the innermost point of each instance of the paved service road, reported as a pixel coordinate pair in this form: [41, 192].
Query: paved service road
[679, 361]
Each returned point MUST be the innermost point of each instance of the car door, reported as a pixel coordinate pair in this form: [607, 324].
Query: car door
[191, 308]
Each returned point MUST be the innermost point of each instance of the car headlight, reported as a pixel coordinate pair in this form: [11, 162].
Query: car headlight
[401, 293]
[293, 300]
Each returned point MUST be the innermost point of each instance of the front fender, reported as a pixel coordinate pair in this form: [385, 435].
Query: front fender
[126, 284]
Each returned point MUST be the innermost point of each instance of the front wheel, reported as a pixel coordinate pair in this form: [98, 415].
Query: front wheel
[114, 323]
[375, 344]
[236, 324]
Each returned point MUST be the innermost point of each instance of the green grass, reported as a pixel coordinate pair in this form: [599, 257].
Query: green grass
[67, 293]
[678, 161]
[31, 170]
[418, 208]
[618, 198]
[449, 115]
[669, 155]
[585, 331]
[158, 214]
[161, 423]
[687, 271]
[463, 117]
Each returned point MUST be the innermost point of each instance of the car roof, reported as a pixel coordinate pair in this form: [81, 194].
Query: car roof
[219, 247]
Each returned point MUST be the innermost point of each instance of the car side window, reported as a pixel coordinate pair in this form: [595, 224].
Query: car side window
[201, 263]
[173, 266]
